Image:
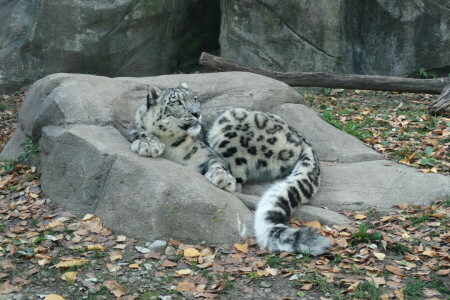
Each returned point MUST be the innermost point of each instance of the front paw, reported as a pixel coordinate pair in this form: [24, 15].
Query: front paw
[222, 179]
[148, 147]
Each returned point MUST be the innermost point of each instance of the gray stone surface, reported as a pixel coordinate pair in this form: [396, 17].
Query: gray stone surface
[383, 37]
[87, 165]
[113, 38]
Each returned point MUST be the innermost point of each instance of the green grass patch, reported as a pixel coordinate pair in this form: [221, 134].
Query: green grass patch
[414, 289]
[363, 236]
[397, 248]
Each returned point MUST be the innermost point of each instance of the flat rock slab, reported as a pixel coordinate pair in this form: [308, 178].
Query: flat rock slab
[87, 165]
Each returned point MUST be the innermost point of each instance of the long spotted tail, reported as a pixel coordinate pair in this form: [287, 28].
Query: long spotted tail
[272, 230]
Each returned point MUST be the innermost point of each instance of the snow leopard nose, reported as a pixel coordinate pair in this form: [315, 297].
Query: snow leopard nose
[195, 114]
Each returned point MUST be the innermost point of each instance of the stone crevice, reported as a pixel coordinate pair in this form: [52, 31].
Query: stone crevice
[301, 37]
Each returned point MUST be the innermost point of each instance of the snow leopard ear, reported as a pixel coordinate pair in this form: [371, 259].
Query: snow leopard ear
[184, 85]
[152, 95]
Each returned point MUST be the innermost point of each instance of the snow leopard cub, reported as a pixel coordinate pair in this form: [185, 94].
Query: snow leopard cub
[241, 146]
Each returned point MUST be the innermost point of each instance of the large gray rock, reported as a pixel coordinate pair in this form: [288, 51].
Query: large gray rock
[113, 38]
[88, 167]
[386, 37]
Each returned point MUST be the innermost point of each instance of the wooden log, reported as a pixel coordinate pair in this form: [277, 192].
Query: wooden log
[442, 104]
[329, 80]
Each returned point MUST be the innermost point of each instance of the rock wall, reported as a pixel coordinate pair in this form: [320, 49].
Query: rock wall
[145, 38]
[385, 37]
[112, 38]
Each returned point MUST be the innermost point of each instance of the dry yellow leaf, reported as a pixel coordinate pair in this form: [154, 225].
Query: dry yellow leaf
[394, 270]
[54, 224]
[271, 271]
[429, 253]
[307, 286]
[377, 281]
[360, 217]
[121, 238]
[99, 248]
[114, 255]
[314, 224]
[113, 268]
[443, 272]
[133, 266]
[380, 256]
[186, 286]
[5, 181]
[72, 263]
[69, 276]
[88, 217]
[191, 252]
[399, 294]
[184, 272]
[262, 273]
[114, 288]
[53, 297]
[241, 247]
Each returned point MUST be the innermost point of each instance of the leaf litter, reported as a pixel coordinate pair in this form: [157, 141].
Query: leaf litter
[46, 252]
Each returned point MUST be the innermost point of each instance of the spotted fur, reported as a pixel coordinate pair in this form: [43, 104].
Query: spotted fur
[241, 146]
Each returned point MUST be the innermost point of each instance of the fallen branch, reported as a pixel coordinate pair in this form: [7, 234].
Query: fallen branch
[442, 104]
[329, 80]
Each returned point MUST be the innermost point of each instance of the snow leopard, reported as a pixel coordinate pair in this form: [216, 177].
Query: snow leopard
[242, 145]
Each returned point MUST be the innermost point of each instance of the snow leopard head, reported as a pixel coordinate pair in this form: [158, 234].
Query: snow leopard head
[177, 109]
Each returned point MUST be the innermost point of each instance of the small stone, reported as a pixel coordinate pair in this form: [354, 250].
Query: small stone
[170, 251]
[133, 279]
[142, 249]
[148, 266]
[157, 246]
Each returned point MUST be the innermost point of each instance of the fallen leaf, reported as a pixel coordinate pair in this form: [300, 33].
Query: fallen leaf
[443, 272]
[241, 247]
[360, 217]
[114, 255]
[429, 253]
[133, 266]
[168, 264]
[121, 238]
[88, 217]
[53, 297]
[394, 270]
[72, 263]
[314, 224]
[307, 286]
[186, 286]
[191, 252]
[99, 248]
[399, 294]
[113, 268]
[114, 288]
[431, 293]
[6, 288]
[380, 256]
[69, 276]
[54, 224]
[184, 272]
[377, 281]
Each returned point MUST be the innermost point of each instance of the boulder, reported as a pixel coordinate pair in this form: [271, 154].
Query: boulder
[87, 165]
[113, 38]
[381, 37]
